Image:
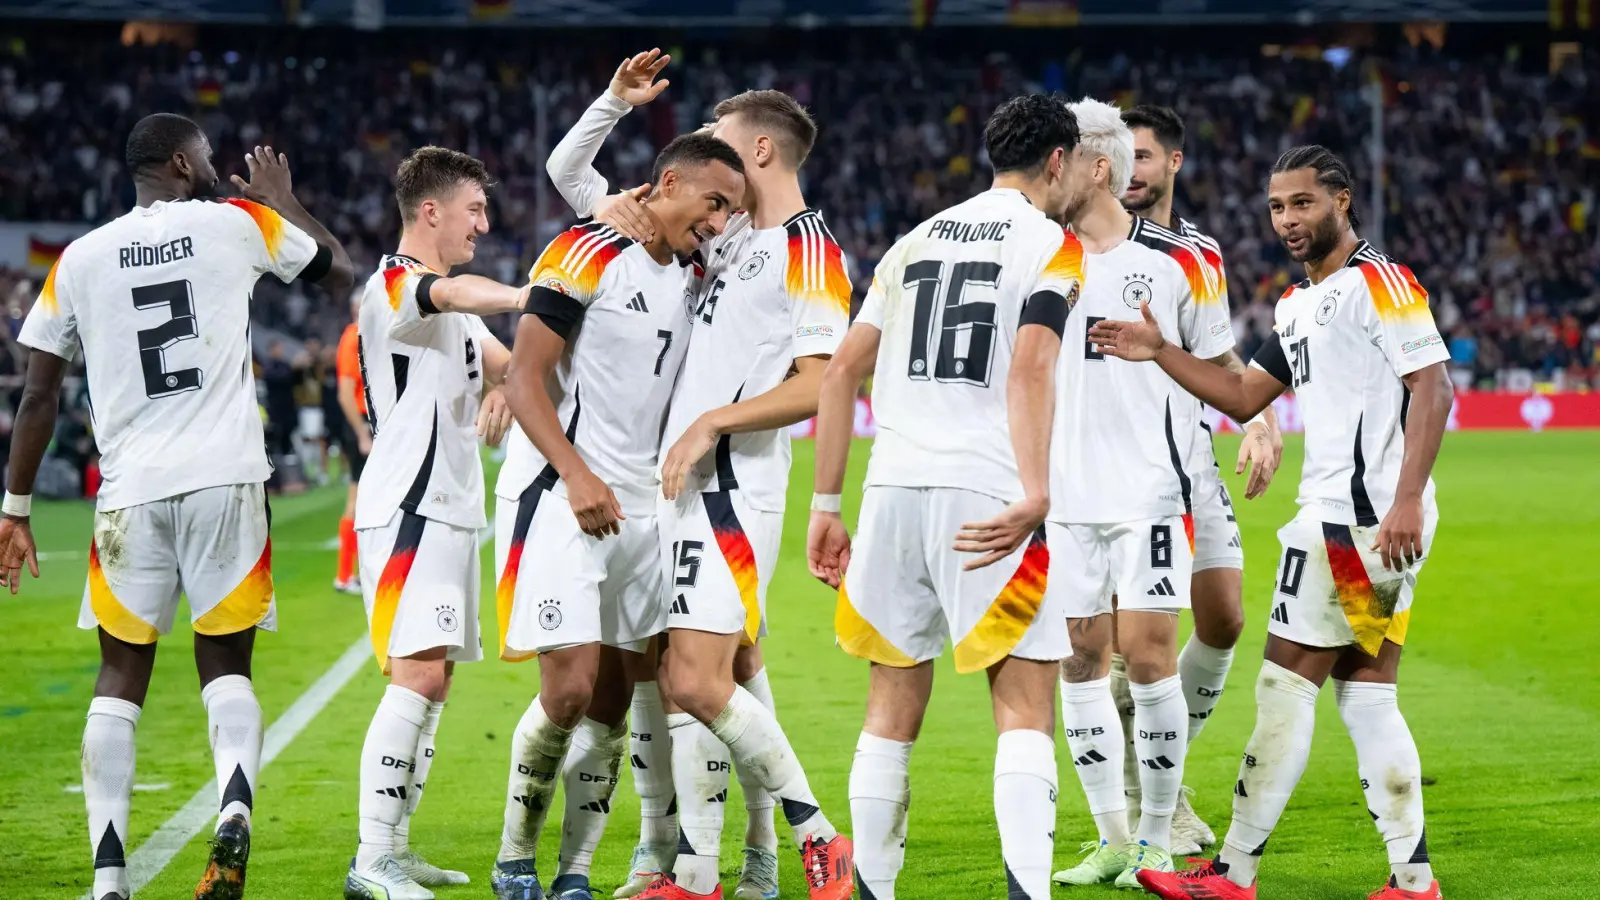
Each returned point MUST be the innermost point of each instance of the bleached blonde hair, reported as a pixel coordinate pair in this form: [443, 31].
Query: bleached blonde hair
[1101, 132]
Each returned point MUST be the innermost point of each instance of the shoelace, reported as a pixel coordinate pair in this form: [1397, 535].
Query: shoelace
[816, 863]
[1207, 869]
[760, 866]
[662, 883]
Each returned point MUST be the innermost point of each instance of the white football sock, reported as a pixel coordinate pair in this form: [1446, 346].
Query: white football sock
[388, 760]
[235, 726]
[1274, 760]
[880, 794]
[537, 748]
[651, 749]
[756, 741]
[758, 804]
[108, 758]
[1161, 737]
[1391, 774]
[419, 778]
[1094, 739]
[589, 777]
[700, 774]
[1025, 810]
[1203, 669]
[1123, 698]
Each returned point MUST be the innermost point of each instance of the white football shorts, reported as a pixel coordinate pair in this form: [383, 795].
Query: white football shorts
[1145, 564]
[559, 587]
[1217, 542]
[211, 544]
[906, 592]
[1332, 590]
[718, 555]
[420, 580]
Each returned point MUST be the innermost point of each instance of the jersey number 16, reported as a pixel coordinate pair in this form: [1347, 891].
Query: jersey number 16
[953, 317]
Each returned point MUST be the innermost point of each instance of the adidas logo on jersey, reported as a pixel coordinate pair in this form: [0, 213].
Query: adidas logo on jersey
[1163, 588]
[680, 607]
[1280, 614]
[637, 303]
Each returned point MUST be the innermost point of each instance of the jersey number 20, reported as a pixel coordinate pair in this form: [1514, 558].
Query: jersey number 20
[154, 342]
[953, 317]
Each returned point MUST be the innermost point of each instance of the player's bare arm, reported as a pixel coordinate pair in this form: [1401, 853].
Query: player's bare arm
[270, 185]
[35, 425]
[827, 539]
[1261, 451]
[534, 355]
[476, 295]
[1400, 533]
[494, 414]
[1030, 412]
[352, 414]
[1239, 396]
[793, 400]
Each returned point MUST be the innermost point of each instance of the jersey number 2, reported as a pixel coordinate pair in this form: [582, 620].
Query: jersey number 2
[154, 342]
[953, 317]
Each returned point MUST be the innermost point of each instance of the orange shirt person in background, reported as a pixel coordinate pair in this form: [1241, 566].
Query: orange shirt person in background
[356, 439]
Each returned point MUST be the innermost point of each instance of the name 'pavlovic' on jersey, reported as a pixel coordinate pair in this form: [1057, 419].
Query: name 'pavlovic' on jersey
[1343, 345]
[769, 296]
[159, 300]
[615, 378]
[423, 373]
[1123, 430]
[949, 298]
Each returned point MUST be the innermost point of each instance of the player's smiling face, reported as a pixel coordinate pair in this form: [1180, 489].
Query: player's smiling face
[1305, 213]
[1153, 169]
[462, 216]
[695, 204]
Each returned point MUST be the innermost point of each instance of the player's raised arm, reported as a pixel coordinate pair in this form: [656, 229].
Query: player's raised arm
[271, 186]
[1239, 395]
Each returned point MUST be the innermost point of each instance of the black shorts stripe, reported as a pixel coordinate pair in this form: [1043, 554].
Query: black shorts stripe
[1358, 485]
[1184, 484]
[419, 485]
[547, 476]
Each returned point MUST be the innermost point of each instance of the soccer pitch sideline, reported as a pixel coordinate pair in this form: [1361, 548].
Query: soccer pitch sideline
[1499, 687]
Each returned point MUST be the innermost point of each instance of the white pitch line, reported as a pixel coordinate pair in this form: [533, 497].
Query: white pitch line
[154, 854]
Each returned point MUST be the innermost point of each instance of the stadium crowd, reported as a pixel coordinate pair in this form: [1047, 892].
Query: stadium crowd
[1492, 160]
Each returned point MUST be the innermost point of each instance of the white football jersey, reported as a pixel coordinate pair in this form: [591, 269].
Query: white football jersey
[160, 301]
[423, 372]
[768, 297]
[949, 298]
[615, 378]
[1123, 430]
[1343, 345]
[1217, 319]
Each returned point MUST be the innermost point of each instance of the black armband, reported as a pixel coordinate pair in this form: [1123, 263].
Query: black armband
[1047, 308]
[425, 294]
[318, 267]
[559, 312]
[1271, 359]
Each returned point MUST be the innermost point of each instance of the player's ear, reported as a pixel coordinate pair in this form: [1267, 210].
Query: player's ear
[765, 152]
[668, 183]
[1175, 162]
[180, 161]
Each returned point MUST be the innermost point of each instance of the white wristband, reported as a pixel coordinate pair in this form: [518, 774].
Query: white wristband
[828, 503]
[19, 506]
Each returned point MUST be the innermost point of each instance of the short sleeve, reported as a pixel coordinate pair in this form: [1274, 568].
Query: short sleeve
[565, 279]
[1269, 358]
[1398, 319]
[407, 287]
[1203, 320]
[885, 276]
[52, 324]
[279, 246]
[1062, 270]
[818, 285]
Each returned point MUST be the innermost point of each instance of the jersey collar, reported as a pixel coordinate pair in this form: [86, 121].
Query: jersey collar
[1355, 255]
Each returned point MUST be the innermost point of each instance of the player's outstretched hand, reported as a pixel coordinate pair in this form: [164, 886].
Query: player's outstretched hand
[16, 548]
[625, 213]
[827, 547]
[633, 81]
[1400, 535]
[686, 451]
[594, 505]
[1257, 454]
[494, 418]
[1133, 341]
[269, 184]
[999, 537]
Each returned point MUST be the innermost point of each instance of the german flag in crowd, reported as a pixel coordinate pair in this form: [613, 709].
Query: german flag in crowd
[922, 12]
[1580, 14]
[1042, 13]
[491, 9]
[43, 254]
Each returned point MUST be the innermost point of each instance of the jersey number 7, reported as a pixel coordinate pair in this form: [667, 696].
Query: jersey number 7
[953, 317]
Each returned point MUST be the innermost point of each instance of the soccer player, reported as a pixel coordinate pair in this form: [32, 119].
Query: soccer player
[1356, 343]
[356, 439]
[1120, 521]
[581, 575]
[1216, 588]
[159, 301]
[428, 358]
[962, 326]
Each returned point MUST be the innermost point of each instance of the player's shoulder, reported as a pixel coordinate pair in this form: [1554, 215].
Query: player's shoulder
[1391, 284]
[1192, 231]
[583, 250]
[1166, 241]
[815, 265]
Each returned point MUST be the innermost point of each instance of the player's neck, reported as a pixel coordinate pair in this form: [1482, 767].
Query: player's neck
[1161, 213]
[1027, 187]
[420, 250]
[1103, 223]
[658, 248]
[147, 193]
[777, 201]
[1337, 258]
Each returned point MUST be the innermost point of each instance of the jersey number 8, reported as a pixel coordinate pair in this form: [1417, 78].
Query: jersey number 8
[954, 316]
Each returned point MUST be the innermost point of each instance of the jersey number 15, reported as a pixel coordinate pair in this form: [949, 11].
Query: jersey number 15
[955, 315]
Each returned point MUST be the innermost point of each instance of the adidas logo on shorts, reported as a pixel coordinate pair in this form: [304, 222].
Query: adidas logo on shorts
[1163, 588]
[680, 607]
[1280, 614]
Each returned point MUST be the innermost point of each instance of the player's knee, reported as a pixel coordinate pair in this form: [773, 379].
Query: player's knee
[565, 701]
[424, 677]
[1221, 630]
[747, 663]
[699, 693]
[1083, 666]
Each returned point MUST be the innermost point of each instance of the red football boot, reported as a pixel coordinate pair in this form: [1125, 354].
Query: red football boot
[1391, 892]
[1201, 883]
[830, 868]
[665, 888]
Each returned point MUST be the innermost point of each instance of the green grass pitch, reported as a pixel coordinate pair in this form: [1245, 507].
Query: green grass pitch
[1498, 684]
